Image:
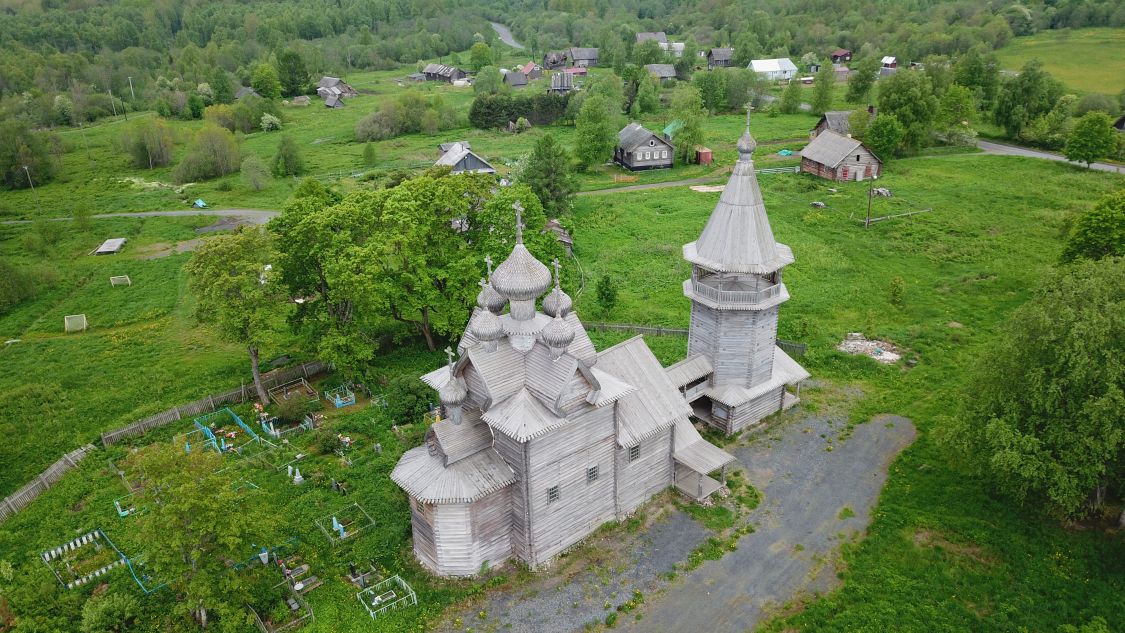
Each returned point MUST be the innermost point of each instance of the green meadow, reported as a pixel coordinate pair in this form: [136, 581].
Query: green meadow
[1086, 60]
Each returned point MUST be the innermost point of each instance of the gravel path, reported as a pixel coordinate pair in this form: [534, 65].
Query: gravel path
[990, 147]
[805, 490]
[505, 35]
[805, 487]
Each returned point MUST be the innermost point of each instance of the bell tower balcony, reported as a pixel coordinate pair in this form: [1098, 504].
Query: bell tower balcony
[735, 291]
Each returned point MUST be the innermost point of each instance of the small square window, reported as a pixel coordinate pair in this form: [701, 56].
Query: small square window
[591, 474]
[552, 494]
[634, 453]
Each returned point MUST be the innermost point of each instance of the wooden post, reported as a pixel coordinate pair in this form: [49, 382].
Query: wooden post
[211, 399]
[178, 416]
[870, 193]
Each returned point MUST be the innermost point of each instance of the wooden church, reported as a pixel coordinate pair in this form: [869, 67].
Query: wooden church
[545, 438]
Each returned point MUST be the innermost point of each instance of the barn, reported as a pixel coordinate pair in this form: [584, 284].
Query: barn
[461, 160]
[781, 69]
[838, 157]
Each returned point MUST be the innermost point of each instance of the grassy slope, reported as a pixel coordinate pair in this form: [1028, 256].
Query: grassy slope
[1087, 60]
[991, 239]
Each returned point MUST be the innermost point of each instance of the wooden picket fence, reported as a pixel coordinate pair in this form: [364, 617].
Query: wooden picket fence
[213, 402]
[21, 498]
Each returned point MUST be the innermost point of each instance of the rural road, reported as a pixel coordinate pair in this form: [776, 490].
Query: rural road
[799, 526]
[990, 147]
[505, 35]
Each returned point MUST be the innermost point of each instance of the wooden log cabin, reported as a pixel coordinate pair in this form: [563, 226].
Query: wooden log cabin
[838, 157]
[544, 438]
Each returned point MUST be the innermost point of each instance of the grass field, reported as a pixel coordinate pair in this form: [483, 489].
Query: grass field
[1086, 60]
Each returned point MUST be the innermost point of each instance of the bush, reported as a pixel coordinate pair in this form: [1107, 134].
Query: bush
[1098, 232]
[221, 115]
[19, 146]
[18, 284]
[408, 399]
[248, 113]
[369, 158]
[408, 114]
[254, 173]
[494, 111]
[148, 143]
[270, 123]
[214, 153]
[293, 410]
[287, 161]
[109, 613]
[606, 292]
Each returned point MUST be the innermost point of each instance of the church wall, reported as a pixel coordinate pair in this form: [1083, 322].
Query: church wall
[492, 528]
[421, 522]
[561, 459]
[513, 453]
[640, 479]
[752, 412]
[739, 343]
[453, 539]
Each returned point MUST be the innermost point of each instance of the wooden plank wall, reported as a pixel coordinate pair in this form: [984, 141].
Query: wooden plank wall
[423, 530]
[739, 343]
[639, 480]
[757, 409]
[453, 539]
[513, 453]
[492, 528]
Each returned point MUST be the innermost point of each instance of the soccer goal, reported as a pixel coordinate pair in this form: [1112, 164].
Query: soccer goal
[120, 280]
[75, 323]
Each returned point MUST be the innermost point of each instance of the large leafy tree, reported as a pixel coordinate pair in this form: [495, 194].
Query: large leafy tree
[264, 81]
[1026, 97]
[687, 107]
[883, 136]
[1042, 418]
[549, 174]
[1100, 231]
[791, 97]
[235, 280]
[909, 97]
[1093, 137]
[978, 71]
[193, 524]
[862, 79]
[823, 84]
[292, 73]
[596, 136]
[480, 55]
[20, 147]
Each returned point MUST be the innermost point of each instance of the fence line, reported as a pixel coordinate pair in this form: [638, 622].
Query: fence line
[21, 498]
[213, 402]
[789, 347]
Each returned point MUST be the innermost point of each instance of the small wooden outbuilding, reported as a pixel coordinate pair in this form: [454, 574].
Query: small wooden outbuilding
[582, 57]
[838, 157]
[841, 55]
[441, 72]
[663, 72]
[561, 83]
[719, 57]
[462, 160]
[515, 79]
[639, 148]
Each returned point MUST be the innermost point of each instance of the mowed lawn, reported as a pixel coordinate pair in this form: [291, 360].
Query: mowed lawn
[943, 552]
[1088, 60]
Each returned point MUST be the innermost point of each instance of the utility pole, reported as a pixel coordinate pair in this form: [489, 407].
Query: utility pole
[113, 105]
[38, 205]
[131, 93]
[86, 142]
[870, 193]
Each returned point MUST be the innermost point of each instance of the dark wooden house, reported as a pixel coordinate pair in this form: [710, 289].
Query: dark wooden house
[460, 159]
[561, 83]
[659, 37]
[515, 79]
[582, 57]
[835, 120]
[837, 157]
[639, 149]
[720, 57]
[334, 86]
[441, 72]
[663, 72]
[841, 55]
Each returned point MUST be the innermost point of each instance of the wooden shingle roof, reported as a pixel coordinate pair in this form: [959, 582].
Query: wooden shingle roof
[426, 478]
[830, 148]
[656, 403]
[786, 371]
[459, 441]
[691, 450]
[689, 369]
[721, 54]
[662, 71]
[634, 135]
[522, 417]
[837, 121]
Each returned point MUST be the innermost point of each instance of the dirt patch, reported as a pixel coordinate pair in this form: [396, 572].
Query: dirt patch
[955, 325]
[163, 249]
[882, 351]
[226, 223]
[925, 537]
[708, 188]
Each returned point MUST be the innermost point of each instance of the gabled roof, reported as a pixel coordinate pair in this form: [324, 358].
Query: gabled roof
[656, 403]
[721, 54]
[663, 71]
[458, 153]
[445, 147]
[439, 69]
[245, 91]
[837, 121]
[689, 369]
[459, 441]
[738, 237]
[634, 135]
[781, 64]
[426, 478]
[331, 82]
[562, 81]
[528, 68]
[841, 52]
[657, 36]
[522, 417]
[830, 148]
[691, 450]
[334, 101]
[889, 59]
[583, 53]
[515, 78]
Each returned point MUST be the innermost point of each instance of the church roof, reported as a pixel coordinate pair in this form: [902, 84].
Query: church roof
[655, 404]
[522, 417]
[738, 237]
[691, 450]
[459, 441]
[689, 369]
[426, 478]
[521, 276]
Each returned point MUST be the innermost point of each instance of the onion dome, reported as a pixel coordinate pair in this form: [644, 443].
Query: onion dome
[558, 303]
[485, 326]
[558, 334]
[521, 277]
[488, 299]
[746, 145]
[452, 393]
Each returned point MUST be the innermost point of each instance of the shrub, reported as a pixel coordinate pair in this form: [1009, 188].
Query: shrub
[270, 123]
[254, 172]
[221, 115]
[1098, 232]
[294, 410]
[494, 111]
[19, 146]
[17, 284]
[287, 161]
[369, 157]
[408, 399]
[148, 143]
[214, 153]
[408, 114]
[606, 292]
[109, 613]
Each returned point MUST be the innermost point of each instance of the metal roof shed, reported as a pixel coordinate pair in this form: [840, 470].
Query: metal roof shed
[111, 246]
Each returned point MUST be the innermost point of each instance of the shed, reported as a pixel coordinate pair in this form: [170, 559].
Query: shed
[659, 36]
[516, 79]
[780, 69]
[416, 76]
[704, 156]
[889, 61]
[245, 91]
[335, 101]
[837, 157]
[111, 246]
[335, 85]
[835, 120]
[532, 70]
[639, 148]
[462, 160]
[561, 83]
[663, 72]
[841, 55]
[719, 57]
[1119, 124]
[554, 60]
[441, 72]
[582, 57]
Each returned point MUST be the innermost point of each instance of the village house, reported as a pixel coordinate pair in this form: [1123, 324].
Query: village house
[837, 121]
[334, 86]
[719, 57]
[561, 83]
[841, 55]
[246, 91]
[460, 159]
[554, 60]
[441, 72]
[544, 439]
[659, 37]
[532, 70]
[675, 48]
[639, 149]
[445, 147]
[663, 72]
[515, 79]
[781, 69]
[838, 157]
[889, 66]
[582, 57]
